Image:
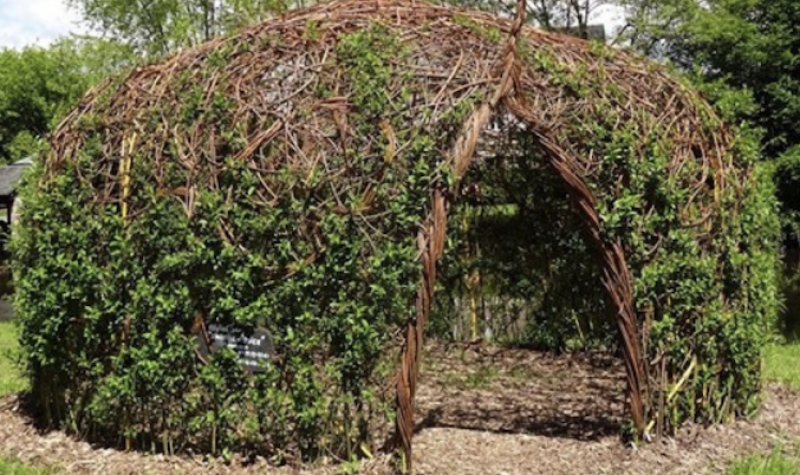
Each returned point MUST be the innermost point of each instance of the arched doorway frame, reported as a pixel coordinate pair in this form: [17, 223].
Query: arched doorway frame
[431, 236]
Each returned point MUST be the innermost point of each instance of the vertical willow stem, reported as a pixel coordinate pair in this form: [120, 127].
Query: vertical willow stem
[214, 438]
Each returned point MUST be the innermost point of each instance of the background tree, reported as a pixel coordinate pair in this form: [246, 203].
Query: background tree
[36, 85]
[745, 53]
[39, 85]
[572, 15]
[157, 27]
[650, 24]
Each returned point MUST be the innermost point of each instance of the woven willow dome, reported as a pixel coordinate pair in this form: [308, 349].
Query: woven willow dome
[299, 176]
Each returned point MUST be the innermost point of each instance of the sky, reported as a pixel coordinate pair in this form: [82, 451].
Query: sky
[611, 16]
[24, 22]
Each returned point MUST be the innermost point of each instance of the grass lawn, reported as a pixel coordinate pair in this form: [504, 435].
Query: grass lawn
[782, 364]
[11, 467]
[10, 379]
[775, 464]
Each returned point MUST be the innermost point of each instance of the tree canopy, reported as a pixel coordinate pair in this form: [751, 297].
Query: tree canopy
[157, 27]
[39, 85]
[750, 45]
[36, 86]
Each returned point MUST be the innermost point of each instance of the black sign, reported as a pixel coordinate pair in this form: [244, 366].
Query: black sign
[251, 346]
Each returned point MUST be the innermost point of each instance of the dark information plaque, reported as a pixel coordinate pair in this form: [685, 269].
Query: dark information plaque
[251, 346]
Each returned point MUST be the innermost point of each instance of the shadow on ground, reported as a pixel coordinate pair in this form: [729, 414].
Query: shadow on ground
[579, 397]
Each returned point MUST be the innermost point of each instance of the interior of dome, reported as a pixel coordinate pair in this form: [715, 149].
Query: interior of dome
[521, 269]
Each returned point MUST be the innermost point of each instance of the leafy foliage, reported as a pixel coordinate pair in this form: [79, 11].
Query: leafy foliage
[744, 53]
[786, 174]
[38, 86]
[159, 27]
[705, 283]
[751, 45]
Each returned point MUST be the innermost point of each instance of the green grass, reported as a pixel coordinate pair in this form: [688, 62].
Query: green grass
[11, 380]
[12, 467]
[775, 464]
[782, 364]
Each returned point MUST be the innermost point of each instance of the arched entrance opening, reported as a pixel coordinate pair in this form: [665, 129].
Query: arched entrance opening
[520, 268]
[521, 150]
[520, 272]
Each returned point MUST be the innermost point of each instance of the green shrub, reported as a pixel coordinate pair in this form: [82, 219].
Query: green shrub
[107, 295]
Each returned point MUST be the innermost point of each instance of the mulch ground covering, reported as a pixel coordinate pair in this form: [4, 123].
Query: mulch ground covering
[480, 411]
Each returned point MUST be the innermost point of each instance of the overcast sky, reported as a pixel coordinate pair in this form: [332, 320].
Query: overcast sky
[24, 22]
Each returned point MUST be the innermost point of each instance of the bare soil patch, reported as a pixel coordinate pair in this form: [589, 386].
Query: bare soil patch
[480, 411]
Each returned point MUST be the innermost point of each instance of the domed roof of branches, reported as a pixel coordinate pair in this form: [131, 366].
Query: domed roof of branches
[281, 94]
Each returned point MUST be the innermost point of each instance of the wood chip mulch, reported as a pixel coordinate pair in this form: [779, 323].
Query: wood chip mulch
[480, 411]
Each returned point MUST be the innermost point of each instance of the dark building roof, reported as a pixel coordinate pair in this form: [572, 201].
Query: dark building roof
[10, 175]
